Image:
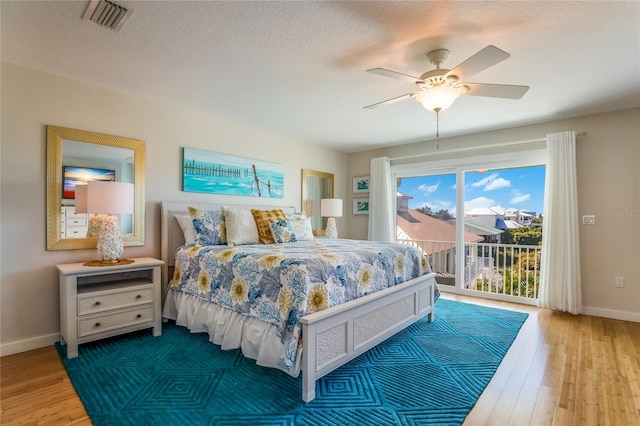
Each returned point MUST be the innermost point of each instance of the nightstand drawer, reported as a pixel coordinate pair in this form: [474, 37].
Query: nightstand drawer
[74, 232]
[70, 212]
[113, 299]
[115, 320]
[76, 221]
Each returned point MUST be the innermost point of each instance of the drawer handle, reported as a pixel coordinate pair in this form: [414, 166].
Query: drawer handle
[97, 324]
[139, 296]
[139, 316]
[97, 303]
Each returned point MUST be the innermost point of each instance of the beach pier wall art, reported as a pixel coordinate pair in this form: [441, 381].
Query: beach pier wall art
[214, 173]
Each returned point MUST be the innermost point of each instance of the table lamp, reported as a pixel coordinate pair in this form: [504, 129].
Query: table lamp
[331, 208]
[110, 198]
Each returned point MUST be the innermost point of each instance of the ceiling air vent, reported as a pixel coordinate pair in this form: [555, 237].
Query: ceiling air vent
[107, 14]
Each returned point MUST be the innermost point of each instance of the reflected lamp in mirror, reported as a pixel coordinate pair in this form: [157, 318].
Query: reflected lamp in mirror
[81, 199]
[95, 221]
[110, 198]
[331, 208]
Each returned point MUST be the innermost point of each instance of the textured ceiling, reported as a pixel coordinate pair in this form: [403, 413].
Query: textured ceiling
[298, 68]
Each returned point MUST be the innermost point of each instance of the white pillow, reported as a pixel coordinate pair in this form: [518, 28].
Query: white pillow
[301, 225]
[186, 224]
[241, 227]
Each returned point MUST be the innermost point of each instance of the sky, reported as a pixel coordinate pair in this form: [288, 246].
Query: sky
[519, 188]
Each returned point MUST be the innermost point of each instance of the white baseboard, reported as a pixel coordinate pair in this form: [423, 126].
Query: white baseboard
[29, 344]
[612, 314]
[586, 310]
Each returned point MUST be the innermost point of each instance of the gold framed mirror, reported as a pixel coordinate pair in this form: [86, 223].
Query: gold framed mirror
[123, 158]
[316, 186]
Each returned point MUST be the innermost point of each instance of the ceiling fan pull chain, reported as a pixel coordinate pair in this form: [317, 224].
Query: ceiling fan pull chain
[437, 110]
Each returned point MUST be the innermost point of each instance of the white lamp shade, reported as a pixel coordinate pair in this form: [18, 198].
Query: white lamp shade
[81, 199]
[110, 197]
[438, 97]
[331, 207]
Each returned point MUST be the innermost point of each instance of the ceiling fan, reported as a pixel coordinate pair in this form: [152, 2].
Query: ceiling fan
[440, 87]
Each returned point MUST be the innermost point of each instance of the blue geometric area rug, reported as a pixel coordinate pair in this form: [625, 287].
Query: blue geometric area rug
[429, 373]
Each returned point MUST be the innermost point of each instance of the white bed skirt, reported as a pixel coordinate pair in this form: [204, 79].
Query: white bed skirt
[230, 330]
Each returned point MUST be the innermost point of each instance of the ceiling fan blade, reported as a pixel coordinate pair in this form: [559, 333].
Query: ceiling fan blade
[393, 74]
[487, 57]
[506, 91]
[391, 101]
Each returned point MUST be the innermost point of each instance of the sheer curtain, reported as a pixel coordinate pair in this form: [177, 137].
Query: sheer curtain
[560, 265]
[381, 201]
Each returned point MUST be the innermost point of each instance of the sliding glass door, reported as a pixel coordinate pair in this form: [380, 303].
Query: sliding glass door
[479, 222]
[503, 207]
[426, 213]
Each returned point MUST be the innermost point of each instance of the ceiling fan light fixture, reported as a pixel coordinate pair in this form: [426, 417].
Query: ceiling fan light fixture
[438, 98]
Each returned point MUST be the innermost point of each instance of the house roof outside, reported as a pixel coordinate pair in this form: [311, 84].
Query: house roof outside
[518, 213]
[480, 229]
[481, 211]
[419, 226]
[507, 224]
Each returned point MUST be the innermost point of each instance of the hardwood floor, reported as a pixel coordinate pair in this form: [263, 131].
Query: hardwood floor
[561, 370]
[35, 390]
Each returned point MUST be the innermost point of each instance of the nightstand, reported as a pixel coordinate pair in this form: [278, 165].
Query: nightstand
[103, 301]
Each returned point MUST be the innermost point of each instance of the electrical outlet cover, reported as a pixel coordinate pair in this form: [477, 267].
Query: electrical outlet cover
[588, 220]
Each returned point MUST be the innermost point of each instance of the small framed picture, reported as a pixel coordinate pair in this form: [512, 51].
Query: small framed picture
[360, 184]
[360, 206]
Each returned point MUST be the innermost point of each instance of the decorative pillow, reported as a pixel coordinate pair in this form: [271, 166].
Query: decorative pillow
[241, 227]
[282, 231]
[209, 226]
[262, 219]
[186, 224]
[301, 225]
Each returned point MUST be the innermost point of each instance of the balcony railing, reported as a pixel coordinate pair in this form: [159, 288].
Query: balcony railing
[505, 269]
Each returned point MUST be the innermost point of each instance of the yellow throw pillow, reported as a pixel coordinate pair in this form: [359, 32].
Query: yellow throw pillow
[263, 218]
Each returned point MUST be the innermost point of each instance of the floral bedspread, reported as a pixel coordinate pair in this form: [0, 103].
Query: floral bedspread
[279, 283]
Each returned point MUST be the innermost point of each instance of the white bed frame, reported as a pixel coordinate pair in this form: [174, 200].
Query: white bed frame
[334, 336]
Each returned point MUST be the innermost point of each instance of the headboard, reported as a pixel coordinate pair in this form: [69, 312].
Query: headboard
[171, 235]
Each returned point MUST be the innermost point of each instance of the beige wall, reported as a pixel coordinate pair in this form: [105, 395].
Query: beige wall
[30, 100]
[608, 174]
[608, 165]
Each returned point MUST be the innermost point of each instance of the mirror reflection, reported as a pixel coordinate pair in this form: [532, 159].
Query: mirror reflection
[82, 163]
[75, 157]
[316, 186]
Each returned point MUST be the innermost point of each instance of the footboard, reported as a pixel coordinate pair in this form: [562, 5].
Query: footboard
[332, 337]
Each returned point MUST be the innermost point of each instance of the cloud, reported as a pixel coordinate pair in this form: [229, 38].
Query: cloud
[497, 184]
[478, 203]
[486, 180]
[520, 198]
[492, 182]
[429, 189]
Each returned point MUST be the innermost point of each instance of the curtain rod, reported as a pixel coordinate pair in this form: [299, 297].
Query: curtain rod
[471, 148]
